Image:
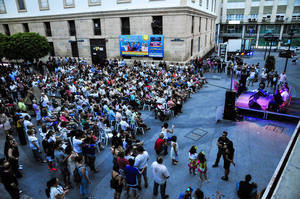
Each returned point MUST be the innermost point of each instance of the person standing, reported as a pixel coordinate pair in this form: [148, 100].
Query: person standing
[228, 159]
[174, 150]
[116, 182]
[202, 166]
[54, 190]
[9, 180]
[246, 190]
[131, 174]
[221, 151]
[161, 145]
[141, 162]
[13, 158]
[161, 174]
[193, 159]
[20, 131]
[84, 176]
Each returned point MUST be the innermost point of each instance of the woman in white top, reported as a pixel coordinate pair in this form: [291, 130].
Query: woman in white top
[54, 190]
[174, 150]
[167, 132]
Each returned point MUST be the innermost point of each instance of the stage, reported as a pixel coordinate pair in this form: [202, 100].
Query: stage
[290, 112]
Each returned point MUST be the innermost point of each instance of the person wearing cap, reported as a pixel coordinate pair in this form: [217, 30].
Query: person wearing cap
[160, 175]
[141, 162]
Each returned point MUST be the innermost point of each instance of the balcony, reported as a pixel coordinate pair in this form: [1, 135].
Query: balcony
[296, 18]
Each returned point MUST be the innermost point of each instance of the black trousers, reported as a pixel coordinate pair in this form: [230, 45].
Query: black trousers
[91, 162]
[162, 189]
[13, 191]
[220, 153]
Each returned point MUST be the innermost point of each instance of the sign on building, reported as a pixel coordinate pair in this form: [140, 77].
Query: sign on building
[142, 45]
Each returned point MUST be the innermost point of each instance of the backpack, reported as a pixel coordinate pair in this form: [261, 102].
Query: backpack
[77, 177]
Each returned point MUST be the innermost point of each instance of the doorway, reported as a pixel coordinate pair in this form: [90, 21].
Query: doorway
[98, 51]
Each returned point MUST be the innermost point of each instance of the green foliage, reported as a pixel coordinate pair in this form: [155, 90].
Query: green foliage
[3, 45]
[270, 63]
[28, 46]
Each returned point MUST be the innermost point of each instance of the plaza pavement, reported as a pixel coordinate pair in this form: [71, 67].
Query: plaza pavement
[259, 145]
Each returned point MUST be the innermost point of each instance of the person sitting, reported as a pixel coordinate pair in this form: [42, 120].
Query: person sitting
[245, 190]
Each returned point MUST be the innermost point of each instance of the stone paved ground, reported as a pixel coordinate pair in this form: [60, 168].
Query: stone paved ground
[259, 145]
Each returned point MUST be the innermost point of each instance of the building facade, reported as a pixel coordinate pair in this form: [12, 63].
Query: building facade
[76, 27]
[252, 19]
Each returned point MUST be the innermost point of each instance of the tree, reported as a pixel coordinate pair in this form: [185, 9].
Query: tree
[28, 46]
[270, 63]
[3, 45]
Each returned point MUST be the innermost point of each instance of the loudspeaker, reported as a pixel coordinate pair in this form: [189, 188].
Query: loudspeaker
[229, 108]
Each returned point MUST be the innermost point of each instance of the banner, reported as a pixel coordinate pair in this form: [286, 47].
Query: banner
[142, 45]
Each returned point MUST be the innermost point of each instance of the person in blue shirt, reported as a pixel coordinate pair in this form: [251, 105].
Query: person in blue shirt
[187, 194]
[131, 174]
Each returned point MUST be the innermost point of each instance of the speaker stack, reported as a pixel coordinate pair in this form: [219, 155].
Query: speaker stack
[229, 109]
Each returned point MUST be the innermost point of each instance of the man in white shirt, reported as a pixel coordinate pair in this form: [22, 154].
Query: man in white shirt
[141, 162]
[160, 175]
[124, 124]
[27, 123]
[285, 97]
[77, 142]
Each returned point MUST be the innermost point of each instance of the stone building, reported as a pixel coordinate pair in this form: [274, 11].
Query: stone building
[78, 27]
[252, 19]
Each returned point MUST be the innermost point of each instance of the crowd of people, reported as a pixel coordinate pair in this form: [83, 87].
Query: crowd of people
[66, 111]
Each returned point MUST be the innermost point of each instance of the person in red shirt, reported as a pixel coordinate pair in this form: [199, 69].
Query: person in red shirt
[160, 145]
[122, 162]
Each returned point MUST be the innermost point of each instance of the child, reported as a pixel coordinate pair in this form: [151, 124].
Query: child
[202, 167]
[174, 150]
[193, 159]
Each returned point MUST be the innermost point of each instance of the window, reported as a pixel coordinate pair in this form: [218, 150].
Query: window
[72, 28]
[69, 4]
[193, 1]
[6, 29]
[48, 29]
[125, 26]
[193, 19]
[44, 4]
[94, 2]
[200, 24]
[205, 40]
[97, 27]
[123, 1]
[21, 5]
[207, 1]
[2, 7]
[211, 25]
[215, 6]
[206, 21]
[200, 2]
[74, 48]
[157, 25]
[25, 27]
[192, 44]
[52, 52]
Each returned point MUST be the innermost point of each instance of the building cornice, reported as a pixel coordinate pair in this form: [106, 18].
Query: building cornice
[116, 13]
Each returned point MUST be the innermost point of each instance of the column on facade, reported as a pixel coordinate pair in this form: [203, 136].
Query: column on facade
[243, 31]
[261, 10]
[289, 10]
[274, 10]
[247, 10]
[224, 12]
[280, 36]
[257, 36]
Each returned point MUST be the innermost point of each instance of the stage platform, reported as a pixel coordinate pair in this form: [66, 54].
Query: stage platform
[292, 112]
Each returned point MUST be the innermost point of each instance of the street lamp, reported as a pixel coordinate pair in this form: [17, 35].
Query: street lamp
[288, 54]
[270, 38]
